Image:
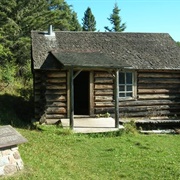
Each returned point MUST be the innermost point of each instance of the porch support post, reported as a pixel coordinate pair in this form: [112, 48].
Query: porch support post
[71, 119]
[116, 98]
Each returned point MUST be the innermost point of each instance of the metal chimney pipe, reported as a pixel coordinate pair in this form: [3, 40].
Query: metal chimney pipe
[50, 30]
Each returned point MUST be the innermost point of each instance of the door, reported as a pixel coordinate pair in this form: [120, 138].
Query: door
[81, 94]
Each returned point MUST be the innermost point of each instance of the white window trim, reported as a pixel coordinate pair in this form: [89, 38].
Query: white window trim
[134, 86]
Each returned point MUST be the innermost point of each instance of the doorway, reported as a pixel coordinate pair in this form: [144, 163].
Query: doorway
[81, 94]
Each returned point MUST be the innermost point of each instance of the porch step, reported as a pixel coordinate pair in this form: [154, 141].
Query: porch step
[144, 121]
[163, 131]
[149, 124]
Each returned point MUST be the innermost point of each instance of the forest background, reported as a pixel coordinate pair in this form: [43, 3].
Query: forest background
[19, 18]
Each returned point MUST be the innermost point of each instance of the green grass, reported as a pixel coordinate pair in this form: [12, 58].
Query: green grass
[53, 153]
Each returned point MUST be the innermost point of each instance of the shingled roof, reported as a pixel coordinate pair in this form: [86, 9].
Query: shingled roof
[87, 60]
[138, 50]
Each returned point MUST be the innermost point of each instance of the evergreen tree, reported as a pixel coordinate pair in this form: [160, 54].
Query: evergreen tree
[115, 20]
[75, 23]
[19, 17]
[89, 22]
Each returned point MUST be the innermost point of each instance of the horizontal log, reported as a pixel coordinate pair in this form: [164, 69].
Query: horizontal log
[103, 80]
[152, 91]
[56, 74]
[158, 80]
[37, 87]
[150, 102]
[56, 80]
[56, 104]
[150, 109]
[159, 75]
[138, 114]
[158, 86]
[100, 86]
[103, 98]
[54, 116]
[158, 71]
[57, 87]
[55, 91]
[37, 74]
[102, 74]
[37, 81]
[104, 104]
[157, 96]
[37, 92]
[37, 97]
[147, 114]
[103, 92]
[56, 110]
[55, 98]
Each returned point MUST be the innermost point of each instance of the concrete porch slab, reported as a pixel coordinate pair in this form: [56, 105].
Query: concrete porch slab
[92, 125]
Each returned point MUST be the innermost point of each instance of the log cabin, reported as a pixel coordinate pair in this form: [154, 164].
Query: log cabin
[92, 73]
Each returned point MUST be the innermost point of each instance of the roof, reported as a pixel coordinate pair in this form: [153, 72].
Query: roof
[138, 50]
[86, 60]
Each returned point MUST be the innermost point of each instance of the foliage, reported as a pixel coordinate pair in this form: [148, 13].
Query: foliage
[115, 20]
[49, 155]
[5, 53]
[130, 128]
[18, 18]
[74, 22]
[15, 110]
[93, 156]
[7, 73]
[178, 43]
[89, 22]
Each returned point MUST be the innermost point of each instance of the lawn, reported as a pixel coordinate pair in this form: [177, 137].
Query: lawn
[55, 154]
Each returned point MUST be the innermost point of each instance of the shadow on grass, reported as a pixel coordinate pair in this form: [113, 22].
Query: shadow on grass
[15, 111]
[118, 133]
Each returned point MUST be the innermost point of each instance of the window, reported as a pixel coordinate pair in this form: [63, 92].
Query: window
[126, 84]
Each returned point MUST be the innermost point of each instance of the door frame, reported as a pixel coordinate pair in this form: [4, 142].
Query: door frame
[91, 93]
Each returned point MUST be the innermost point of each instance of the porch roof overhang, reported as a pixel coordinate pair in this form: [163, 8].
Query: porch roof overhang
[91, 60]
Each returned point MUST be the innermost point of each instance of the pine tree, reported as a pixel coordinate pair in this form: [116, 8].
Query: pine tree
[89, 22]
[115, 20]
[75, 23]
[19, 17]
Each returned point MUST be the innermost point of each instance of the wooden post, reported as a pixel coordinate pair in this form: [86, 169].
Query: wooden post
[117, 99]
[71, 118]
[91, 93]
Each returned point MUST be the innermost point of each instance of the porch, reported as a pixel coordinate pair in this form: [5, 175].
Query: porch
[91, 125]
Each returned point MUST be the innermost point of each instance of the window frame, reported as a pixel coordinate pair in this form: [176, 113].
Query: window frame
[134, 85]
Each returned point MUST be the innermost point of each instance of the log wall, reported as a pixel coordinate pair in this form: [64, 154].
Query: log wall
[103, 92]
[158, 94]
[50, 92]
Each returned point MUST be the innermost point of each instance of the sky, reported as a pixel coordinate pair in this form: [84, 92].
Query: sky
[156, 16]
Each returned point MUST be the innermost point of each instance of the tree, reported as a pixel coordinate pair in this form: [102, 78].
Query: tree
[115, 20]
[89, 22]
[178, 43]
[18, 18]
[75, 23]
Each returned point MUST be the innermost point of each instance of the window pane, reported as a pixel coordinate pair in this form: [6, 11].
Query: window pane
[128, 78]
[129, 88]
[121, 94]
[121, 78]
[121, 88]
[128, 94]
